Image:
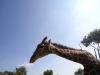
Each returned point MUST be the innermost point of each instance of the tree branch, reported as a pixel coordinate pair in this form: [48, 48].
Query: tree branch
[98, 50]
[94, 50]
[80, 45]
[95, 53]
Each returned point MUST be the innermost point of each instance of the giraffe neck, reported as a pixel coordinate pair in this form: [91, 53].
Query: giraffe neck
[76, 55]
[90, 63]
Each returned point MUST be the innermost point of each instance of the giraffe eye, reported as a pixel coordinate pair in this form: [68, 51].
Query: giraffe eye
[41, 46]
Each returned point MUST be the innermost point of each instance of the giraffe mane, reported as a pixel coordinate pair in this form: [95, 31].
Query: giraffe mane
[64, 47]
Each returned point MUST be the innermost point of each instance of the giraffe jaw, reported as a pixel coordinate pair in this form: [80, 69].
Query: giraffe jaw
[34, 58]
[32, 61]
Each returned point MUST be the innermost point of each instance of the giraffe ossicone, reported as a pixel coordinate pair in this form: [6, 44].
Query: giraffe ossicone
[45, 38]
[90, 63]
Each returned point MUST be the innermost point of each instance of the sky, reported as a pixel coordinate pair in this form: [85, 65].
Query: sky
[24, 23]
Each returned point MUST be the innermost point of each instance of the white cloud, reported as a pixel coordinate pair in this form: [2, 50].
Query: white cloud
[86, 5]
[89, 5]
[86, 18]
[26, 64]
[87, 10]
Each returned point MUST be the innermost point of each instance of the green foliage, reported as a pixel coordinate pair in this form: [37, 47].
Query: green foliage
[93, 37]
[21, 70]
[79, 72]
[18, 71]
[9, 72]
[4, 73]
[0, 73]
[48, 72]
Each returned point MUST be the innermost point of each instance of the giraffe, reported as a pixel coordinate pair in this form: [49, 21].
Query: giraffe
[90, 63]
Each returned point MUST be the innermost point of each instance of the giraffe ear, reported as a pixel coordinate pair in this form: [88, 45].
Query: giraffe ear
[44, 39]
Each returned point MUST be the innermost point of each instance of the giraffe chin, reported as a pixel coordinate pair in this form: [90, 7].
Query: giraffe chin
[32, 61]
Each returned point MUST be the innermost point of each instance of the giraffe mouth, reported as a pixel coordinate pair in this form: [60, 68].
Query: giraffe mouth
[32, 59]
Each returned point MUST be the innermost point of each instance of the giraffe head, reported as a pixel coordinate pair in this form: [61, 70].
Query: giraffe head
[42, 49]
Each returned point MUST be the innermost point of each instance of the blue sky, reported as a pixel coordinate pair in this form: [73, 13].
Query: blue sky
[24, 23]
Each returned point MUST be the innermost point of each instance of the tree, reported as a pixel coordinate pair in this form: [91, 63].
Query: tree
[79, 72]
[21, 70]
[0, 73]
[9, 72]
[18, 71]
[93, 39]
[48, 72]
[4, 73]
